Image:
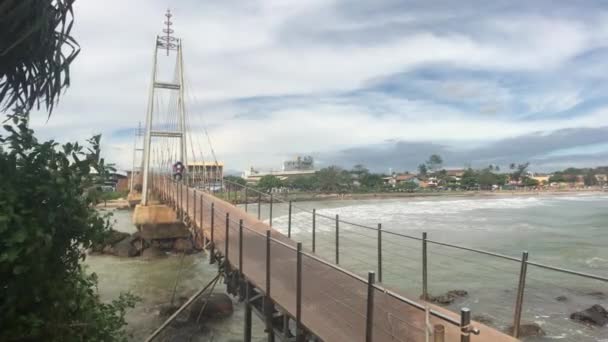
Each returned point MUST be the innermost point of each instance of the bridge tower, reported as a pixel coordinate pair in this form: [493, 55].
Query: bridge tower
[171, 45]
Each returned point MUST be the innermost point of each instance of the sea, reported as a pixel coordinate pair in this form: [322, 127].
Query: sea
[564, 231]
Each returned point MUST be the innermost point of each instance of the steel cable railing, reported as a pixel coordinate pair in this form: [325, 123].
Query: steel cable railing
[266, 201]
[183, 199]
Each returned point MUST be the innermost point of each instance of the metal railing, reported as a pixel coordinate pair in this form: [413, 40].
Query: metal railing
[237, 237]
[243, 195]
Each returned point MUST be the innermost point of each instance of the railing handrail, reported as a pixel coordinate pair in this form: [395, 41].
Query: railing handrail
[465, 248]
[438, 314]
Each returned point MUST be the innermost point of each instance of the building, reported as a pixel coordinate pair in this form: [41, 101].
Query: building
[200, 173]
[397, 179]
[299, 167]
[299, 164]
[253, 176]
[542, 179]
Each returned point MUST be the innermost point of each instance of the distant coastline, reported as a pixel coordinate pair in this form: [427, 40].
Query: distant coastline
[314, 196]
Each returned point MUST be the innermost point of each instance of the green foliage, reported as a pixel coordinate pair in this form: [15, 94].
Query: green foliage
[333, 179]
[36, 50]
[530, 182]
[46, 224]
[304, 183]
[519, 171]
[434, 162]
[408, 186]
[371, 180]
[422, 170]
[589, 178]
[236, 180]
[269, 182]
[469, 179]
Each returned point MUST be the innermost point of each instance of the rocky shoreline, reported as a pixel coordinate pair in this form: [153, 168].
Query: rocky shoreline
[127, 245]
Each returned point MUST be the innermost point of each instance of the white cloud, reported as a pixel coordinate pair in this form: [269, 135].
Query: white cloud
[242, 49]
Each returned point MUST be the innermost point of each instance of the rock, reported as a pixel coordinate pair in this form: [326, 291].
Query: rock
[183, 245]
[484, 319]
[528, 330]
[124, 248]
[448, 298]
[219, 306]
[153, 253]
[595, 315]
[108, 249]
[112, 238]
[561, 298]
[165, 244]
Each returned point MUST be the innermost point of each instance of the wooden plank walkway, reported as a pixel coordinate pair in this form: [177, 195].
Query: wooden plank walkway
[333, 300]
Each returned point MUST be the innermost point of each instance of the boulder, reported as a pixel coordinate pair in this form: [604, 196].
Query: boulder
[113, 237]
[219, 305]
[153, 253]
[124, 248]
[528, 330]
[183, 245]
[448, 297]
[595, 315]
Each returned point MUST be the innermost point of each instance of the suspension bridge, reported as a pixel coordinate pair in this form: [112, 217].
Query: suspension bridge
[299, 292]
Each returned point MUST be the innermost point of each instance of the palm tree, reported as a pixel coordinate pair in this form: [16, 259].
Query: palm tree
[36, 49]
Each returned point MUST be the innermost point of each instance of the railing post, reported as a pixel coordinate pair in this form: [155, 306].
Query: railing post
[337, 239]
[202, 210]
[247, 333]
[289, 221]
[241, 248]
[379, 252]
[520, 294]
[226, 262]
[438, 333]
[259, 206]
[369, 320]
[465, 320]
[194, 206]
[246, 199]
[314, 226]
[299, 330]
[270, 210]
[267, 303]
[212, 256]
[425, 293]
[187, 199]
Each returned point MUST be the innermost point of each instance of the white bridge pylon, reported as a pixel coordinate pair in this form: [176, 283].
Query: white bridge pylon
[171, 45]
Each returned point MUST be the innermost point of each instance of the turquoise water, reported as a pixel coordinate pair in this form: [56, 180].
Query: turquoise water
[564, 231]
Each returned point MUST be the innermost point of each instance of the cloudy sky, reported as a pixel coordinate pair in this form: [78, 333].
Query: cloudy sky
[379, 82]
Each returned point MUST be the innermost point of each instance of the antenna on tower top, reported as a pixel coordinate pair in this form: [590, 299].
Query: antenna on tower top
[167, 41]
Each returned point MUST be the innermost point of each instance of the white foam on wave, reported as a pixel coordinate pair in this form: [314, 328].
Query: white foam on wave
[596, 262]
[433, 207]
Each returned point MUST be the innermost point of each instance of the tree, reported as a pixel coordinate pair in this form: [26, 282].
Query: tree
[359, 170]
[36, 50]
[530, 182]
[434, 162]
[235, 180]
[469, 179]
[486, 179]
[589, 178]
[520, 170]
[269, 182]
[332, 179]
[408, 186]
[304, 183]
[46, 224]
[422, 170]
[372, 180]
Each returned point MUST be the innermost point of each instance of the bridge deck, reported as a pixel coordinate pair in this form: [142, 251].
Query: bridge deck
[333, 300]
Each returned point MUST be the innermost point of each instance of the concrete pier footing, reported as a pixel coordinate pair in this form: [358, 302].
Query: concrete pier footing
[158, 221]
